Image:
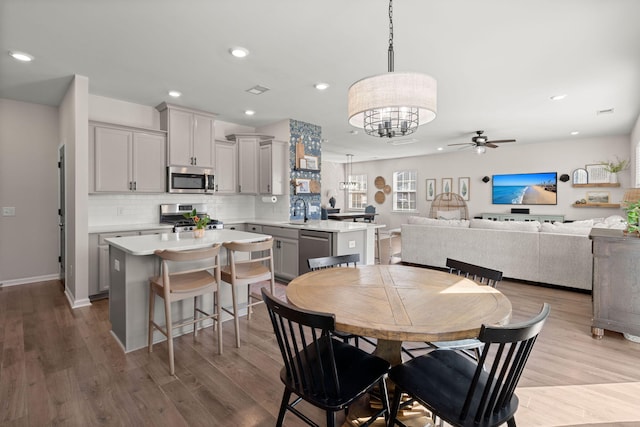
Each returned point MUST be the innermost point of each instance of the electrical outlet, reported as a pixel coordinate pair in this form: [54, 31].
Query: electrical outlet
[352, 244]
[9, 211]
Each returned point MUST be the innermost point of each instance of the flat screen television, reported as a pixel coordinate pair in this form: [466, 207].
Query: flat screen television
[525, 189]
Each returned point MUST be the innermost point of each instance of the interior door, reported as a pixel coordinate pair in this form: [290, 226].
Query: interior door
[61, 213]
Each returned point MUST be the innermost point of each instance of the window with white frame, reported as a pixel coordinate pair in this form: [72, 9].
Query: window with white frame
[357, 192]
[405, 185]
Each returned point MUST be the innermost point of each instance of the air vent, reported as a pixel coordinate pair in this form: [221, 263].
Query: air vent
[258, 90]
[402, 141]
[607, 111]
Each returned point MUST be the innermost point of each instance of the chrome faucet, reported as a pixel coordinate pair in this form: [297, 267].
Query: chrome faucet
[304, 206]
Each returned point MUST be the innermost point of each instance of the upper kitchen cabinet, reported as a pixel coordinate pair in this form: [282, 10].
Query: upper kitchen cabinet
[247, 145]
[191, 136]
[124, 159]
[226, 159]
[272, 161]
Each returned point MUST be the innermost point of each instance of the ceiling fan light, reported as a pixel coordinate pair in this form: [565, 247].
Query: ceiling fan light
[480, 149]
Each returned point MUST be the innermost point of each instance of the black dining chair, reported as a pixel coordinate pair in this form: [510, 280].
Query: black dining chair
[319, 369]
[482, 275]
[465, 392]
[339, 261]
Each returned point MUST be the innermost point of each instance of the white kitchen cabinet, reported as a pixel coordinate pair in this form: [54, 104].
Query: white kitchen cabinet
[248, 145]
[226, 170]
[124, 159]
[247, 165]
[272, 162]
[191, 135]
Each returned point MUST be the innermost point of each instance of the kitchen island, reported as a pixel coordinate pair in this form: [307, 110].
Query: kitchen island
[132, 262]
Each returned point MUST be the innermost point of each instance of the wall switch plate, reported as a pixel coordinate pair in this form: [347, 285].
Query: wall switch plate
[116, 265]
[352, 244]
[9, 211]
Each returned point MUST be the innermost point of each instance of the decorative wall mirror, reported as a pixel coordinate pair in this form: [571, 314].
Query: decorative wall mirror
[580, 176]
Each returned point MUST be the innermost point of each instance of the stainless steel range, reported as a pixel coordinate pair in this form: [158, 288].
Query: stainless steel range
[174, 214]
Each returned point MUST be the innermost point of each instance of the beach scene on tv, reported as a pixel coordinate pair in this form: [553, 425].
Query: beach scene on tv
[525, 189]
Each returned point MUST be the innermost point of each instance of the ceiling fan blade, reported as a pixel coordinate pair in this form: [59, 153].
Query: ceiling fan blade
[499, 141]
[490, 145]
[461, 143]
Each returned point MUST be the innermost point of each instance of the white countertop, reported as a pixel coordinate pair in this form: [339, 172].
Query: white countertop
[128, 227]
[316, 225]
[147, 244]
[321, 225]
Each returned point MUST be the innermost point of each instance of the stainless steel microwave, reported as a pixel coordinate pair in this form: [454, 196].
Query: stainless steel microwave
[186, 179]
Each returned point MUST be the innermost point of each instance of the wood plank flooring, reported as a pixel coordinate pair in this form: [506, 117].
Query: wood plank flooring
[62, 367]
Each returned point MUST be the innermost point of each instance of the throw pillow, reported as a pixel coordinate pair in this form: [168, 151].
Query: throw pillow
[565, 228]
[448, 214]
[532, 226]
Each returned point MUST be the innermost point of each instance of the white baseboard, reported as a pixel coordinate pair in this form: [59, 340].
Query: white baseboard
[73, 303]
[27, 280]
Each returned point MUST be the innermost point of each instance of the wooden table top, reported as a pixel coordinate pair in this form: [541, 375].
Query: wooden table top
[400, 303]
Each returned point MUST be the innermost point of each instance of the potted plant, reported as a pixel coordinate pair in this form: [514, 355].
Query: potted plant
[613, 167]
[633, 215]
[200, 222]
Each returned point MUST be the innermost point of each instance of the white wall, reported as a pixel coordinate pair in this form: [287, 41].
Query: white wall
[557, 156]
[74, 135]
[29, 183]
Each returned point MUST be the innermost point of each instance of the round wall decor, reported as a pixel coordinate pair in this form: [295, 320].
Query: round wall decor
[387, 189]
[379, 182]
[379, 197]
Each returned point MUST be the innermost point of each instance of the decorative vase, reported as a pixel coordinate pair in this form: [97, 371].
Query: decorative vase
[613, 178]
[198, 233]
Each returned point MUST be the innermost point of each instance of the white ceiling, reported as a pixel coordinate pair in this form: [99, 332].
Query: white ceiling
[497, 62]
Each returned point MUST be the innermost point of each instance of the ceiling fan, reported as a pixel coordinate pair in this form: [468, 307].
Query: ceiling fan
[480, 142]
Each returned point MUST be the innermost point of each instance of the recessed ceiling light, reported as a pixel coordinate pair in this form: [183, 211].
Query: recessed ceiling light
[440, 148]
[21, 56]
[321, 86]
[575, 132]
[239, 52]
[558, 97]
[249, 112]
[175, 93]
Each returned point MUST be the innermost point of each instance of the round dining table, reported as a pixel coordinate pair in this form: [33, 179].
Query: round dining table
[396, 303]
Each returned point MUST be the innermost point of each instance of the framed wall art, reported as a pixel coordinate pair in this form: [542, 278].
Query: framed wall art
[303, 186]
[431, 189]
[597, 174]
[596, 197]
[463, 188]
[312, 162]
[447, 185]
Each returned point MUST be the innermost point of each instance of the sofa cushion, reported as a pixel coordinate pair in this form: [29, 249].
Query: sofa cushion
[448, 214]
[566, 228]
[532, 226]
[421, 220]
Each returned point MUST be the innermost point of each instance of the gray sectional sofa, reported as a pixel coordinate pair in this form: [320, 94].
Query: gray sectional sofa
[550, 254]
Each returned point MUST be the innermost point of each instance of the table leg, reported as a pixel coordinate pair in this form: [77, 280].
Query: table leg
[391, 351]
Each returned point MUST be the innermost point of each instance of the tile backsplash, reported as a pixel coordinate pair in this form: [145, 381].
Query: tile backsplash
[116, 209]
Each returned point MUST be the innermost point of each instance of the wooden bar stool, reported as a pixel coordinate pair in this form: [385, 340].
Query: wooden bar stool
[197, 280]
[256, 267]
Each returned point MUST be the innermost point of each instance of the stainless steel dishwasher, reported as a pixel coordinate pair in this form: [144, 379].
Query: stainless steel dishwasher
[313, 244]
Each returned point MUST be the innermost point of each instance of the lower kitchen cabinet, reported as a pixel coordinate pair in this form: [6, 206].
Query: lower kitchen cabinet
[285, 258]
[285, 250]
[99, 259]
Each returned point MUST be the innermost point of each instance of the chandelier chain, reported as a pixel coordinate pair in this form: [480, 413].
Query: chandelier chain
[390, 52]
